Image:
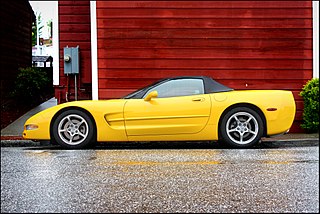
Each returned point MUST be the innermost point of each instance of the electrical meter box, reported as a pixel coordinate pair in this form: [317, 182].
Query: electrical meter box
[71, 60]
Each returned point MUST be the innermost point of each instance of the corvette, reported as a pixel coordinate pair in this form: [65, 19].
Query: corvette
[173, 109]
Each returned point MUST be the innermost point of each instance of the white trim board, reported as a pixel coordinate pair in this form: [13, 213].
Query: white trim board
[315, 8]
[94, 50]
[55, 43]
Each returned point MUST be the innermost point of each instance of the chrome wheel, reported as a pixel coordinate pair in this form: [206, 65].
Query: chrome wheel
[73, 129]
[242, 128]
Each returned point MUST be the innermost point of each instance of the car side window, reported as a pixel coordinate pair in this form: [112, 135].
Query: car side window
[178, 87]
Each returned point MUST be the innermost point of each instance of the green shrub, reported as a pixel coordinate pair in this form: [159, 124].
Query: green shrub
[32, 85]
[310, 94]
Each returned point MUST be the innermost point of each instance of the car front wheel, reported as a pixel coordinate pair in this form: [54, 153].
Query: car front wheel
[73, 129]
[241, 127]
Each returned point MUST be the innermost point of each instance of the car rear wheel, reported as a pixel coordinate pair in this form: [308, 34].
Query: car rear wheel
[241, 127]
[73, 129]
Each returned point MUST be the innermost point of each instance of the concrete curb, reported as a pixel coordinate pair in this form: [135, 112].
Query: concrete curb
[19, 143]
[265, 143]
[291, 143]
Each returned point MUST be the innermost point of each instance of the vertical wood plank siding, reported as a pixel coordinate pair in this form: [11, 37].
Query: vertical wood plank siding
[242, 44]
[74, 30]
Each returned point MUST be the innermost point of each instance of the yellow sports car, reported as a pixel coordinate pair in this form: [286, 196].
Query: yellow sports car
[173, 109]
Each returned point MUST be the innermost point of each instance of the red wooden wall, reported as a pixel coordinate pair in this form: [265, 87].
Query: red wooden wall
[242, 44]
[75, 30]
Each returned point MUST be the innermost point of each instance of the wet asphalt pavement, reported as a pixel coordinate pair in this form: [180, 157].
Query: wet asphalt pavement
[135, 179]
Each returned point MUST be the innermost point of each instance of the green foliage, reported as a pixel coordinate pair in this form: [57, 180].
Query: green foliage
[310, 94]
[32, 85]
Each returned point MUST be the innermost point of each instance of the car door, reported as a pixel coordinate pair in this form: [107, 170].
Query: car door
[181, 107]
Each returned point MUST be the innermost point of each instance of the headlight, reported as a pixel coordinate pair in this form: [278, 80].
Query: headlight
[31, 127]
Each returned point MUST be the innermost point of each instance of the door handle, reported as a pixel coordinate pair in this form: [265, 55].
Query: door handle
[199, 99]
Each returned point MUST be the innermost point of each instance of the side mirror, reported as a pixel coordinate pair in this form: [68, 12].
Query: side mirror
[152, 94]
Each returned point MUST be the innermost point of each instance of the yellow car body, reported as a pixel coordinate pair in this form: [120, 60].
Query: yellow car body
[192, 117]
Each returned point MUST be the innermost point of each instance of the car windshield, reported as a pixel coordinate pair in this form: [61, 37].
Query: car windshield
[141, 90]
[132, 94]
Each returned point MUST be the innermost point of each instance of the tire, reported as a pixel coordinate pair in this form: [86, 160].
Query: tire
[241, 127]
[73, 129]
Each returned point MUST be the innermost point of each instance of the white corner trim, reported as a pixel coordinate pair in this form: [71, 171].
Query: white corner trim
[94, 50]
[55, 43]
[315, 6]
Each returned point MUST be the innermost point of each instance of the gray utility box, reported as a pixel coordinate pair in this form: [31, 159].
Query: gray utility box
[71, 60]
